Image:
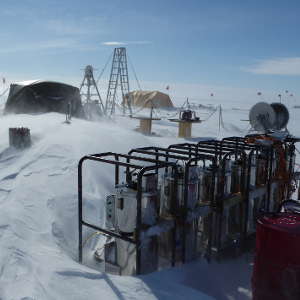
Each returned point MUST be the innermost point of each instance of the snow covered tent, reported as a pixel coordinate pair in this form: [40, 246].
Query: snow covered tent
[149, 98]
[39, 96]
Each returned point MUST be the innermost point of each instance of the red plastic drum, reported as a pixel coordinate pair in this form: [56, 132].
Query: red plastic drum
[276, 273]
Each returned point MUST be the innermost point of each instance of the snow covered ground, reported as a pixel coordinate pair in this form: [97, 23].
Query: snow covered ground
[38, 212]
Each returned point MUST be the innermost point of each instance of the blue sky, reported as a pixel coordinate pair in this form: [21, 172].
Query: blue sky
[237, 46]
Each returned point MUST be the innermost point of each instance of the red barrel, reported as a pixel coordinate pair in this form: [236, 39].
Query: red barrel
[276, 273]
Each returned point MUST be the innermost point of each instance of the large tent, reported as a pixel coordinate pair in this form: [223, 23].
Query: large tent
[43, 96]
[149, 99]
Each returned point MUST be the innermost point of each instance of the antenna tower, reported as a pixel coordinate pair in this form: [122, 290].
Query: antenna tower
[118, 76]
[90, 95]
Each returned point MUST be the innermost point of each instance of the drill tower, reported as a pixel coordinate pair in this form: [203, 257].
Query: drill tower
[90, 95]
[118, 76]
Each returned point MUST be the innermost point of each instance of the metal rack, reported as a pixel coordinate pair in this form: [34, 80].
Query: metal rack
[142, 166]
[263, 187]
[210, 192]
[187, 212]
[226, 195]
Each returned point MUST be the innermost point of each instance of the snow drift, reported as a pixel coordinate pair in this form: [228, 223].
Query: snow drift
[38, 213]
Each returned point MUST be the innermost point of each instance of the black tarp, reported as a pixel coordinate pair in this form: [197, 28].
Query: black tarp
[43, 96]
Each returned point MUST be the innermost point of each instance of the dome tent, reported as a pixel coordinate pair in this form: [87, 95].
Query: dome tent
[149, 98]
[43, 96]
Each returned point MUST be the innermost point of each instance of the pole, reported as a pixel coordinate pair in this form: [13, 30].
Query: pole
[220, 118]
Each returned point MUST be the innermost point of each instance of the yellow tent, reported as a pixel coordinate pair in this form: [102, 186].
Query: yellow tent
[149, 99]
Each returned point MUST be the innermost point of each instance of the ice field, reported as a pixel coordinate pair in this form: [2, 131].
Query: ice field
[38, 211]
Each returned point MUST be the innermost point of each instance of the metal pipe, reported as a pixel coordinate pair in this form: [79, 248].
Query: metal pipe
[247, 194]
[80, 210]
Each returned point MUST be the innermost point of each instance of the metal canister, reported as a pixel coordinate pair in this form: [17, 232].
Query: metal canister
[150, 207]
[231, 220]
[167, 241]
[274, 199]
[206, 187]
[168, 201]
[190, 241]
[149, 255]
[126, 209]
[234, 221]
[192, 193]
[227, 181]
[171, 240]
[150, 199]
[251, 220]
[126, 257]
[193, 187]
[256, 203]
[261, 170]
[149, 182]
[275, 164]
[203, 233]
[236, 171]
[253, 171]
[290, 161]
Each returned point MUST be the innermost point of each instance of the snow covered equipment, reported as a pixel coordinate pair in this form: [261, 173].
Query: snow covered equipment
[176, 204]
[253, 173]
[192, 214]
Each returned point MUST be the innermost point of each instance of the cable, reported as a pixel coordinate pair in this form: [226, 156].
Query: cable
[131, 65]
[211, 114]
[100, 75]
[222, 121]
[172, 116]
